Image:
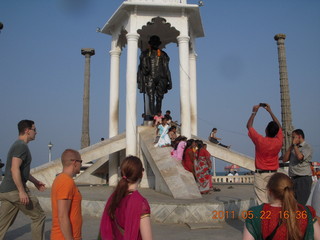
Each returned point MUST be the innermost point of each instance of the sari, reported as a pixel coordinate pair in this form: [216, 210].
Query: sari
[126, 225]
[164, 139]
[188, 160]
[202, 171]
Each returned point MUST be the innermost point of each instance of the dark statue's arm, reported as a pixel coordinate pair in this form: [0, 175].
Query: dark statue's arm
[144, 63]
[143, 71]
[140, 79]
[168, 73]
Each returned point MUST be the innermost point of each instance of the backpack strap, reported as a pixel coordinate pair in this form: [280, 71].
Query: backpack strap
[270, 237]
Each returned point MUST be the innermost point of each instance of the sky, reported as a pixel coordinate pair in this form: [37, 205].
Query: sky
[42, 70]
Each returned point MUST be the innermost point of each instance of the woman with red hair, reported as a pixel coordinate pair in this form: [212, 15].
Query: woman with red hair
[283, 217]
[127, 213]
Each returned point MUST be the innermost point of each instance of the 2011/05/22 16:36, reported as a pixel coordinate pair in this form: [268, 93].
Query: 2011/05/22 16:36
[267, 214]
[223, 214]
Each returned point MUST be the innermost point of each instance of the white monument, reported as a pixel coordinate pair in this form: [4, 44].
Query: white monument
[132, 25]
[174, 21]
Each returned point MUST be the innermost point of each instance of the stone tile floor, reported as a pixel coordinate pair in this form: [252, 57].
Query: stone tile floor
[230, 230]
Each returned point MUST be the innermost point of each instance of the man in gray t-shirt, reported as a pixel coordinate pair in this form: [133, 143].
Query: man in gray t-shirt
[14, 195]
[300, 155]
[19, 149]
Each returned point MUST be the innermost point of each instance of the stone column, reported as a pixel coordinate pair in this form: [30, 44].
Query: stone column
[114, 109]
[131, 94]
[114, 92]
[193, 92]
[183, 42]
[285, 94]
[85, 138]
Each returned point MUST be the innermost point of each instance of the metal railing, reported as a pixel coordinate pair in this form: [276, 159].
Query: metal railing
[234, 179]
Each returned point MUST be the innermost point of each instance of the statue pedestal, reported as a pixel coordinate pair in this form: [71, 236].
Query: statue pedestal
[147, 123]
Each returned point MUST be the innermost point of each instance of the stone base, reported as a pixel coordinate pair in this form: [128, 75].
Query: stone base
[211, 209]
[148, 123]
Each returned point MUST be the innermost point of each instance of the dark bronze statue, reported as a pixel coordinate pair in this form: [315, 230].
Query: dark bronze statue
[154, 77]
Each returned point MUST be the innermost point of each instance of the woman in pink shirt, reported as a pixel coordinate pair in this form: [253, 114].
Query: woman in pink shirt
[178, 151]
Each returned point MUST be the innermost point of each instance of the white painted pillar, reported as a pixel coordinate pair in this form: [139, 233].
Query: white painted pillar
[183, 42]
[131, 94]
[193, 92]
[114, 92]
[114, 109]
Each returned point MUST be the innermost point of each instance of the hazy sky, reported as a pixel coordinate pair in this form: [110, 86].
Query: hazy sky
[42, 70]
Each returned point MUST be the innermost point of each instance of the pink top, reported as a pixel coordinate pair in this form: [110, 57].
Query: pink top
[126, 225]
[178, 153]
[157, 119]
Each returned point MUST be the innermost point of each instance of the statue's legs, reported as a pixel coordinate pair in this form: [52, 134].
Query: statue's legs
[160, 90]
[158, 103]
[148, 115]
[152, 105]
[150, 89]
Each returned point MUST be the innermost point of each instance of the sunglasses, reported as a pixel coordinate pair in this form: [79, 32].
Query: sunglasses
[76, 160]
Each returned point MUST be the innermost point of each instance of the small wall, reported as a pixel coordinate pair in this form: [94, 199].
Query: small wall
[234, 179]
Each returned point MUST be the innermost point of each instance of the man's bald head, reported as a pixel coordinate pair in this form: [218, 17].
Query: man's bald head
[68, 155]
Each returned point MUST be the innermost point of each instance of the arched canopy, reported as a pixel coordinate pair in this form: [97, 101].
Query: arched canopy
[157, 26]
[133, 16]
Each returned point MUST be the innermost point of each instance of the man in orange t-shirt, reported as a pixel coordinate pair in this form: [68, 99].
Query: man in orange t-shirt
[66, 199]
[266, 150]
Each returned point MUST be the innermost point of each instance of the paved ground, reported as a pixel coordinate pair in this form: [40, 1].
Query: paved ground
[229, 192]
[230, 230]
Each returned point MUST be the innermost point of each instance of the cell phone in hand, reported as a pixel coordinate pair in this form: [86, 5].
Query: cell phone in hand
[263, 104]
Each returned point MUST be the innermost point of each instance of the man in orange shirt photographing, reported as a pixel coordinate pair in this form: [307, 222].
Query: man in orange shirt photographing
[66, 199]
[266, 151]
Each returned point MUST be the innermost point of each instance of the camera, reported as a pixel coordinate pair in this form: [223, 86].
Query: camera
[263, 104]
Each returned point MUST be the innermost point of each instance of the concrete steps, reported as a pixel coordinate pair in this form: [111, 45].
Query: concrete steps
[229, 155]
[47, 172]
[94, 173]
[170, 176]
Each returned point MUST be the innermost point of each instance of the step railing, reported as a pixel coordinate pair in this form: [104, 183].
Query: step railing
[248, 179]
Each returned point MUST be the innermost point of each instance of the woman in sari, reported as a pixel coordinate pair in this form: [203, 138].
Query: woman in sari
[202, 164]
[189, 156]
[283, 217]
[164, 139]
[127, 214]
